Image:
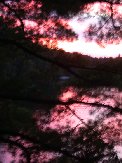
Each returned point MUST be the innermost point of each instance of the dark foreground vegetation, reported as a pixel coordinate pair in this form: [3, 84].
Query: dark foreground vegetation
[33, 79]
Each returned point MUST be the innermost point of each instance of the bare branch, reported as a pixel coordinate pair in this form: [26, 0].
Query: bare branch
[31, 52]
[37, 145]
[58, 102]
[18, 145]
[73, 112]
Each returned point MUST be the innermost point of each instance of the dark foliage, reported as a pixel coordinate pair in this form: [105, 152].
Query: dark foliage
[33, 77]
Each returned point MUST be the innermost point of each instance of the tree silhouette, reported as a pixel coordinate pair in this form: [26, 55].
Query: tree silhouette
[34, 96]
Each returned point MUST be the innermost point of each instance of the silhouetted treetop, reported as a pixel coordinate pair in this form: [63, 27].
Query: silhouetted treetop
[49, 19]
[70, 6]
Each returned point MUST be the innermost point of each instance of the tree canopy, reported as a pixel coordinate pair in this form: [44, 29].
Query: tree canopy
[56, 106]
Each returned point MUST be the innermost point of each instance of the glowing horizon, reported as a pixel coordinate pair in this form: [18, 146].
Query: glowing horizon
[80, 45]
[79, 24]
[91, 48]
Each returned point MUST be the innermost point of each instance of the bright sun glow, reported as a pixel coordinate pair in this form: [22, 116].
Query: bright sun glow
[79, 26]
[91, 48]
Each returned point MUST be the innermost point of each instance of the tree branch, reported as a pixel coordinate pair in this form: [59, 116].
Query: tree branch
[37, 144]
[57, 102]
[16, 144]
[16, 15]
[27, 50]
[57, 63]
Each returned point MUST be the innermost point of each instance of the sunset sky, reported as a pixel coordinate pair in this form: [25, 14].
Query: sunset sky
[50, 103]
[91, 48]
[79, 24]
